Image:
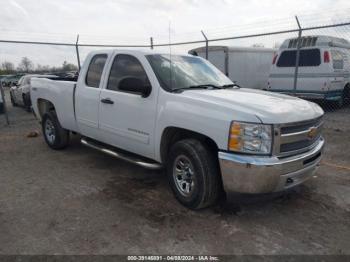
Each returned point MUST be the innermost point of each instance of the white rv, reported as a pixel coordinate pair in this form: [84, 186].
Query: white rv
[323, 72]
[247, 66]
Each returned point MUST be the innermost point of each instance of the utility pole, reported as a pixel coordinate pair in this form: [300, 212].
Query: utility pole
[206, 45]
[297, 58]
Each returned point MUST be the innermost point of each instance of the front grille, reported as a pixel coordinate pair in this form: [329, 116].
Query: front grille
[299, 137]
[297, 145]
[300, 126]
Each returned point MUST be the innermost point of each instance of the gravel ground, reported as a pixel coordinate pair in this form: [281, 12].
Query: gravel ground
[79, 201]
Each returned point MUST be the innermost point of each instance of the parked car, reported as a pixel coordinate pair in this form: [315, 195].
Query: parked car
[1, 105]
[11, 80]
[183, 114]
[323, 73]
[20, 92]
[1, 100]
[249, 67]
[3, 78]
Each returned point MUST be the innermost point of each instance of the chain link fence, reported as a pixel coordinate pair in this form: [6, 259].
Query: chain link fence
[306, 56]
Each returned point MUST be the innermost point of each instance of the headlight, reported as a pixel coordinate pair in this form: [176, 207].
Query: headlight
[250, 138]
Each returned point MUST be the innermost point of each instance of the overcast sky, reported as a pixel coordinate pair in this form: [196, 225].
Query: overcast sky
[134, 21]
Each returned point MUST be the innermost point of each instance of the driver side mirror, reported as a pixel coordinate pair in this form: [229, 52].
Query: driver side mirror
[135, 85]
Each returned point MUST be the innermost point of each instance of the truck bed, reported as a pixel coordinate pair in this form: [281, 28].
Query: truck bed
[59, 92]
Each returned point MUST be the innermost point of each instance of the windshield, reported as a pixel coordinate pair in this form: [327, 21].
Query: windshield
[185, 72]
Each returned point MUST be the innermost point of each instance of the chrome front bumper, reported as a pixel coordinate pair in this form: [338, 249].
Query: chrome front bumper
[261, 174]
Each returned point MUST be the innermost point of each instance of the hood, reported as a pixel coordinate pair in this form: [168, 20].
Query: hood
[270, 108]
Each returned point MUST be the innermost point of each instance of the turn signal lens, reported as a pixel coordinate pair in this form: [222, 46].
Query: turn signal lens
[326, 57]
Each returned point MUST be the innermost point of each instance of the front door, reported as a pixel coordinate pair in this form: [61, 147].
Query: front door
[127, 119]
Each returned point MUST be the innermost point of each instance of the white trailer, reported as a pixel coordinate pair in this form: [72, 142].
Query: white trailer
[247, 66]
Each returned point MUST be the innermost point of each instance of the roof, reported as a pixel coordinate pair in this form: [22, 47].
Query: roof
[233, 49]
[138, 51]
[316, 40]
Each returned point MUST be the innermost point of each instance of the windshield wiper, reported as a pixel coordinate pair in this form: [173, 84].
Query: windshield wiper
[206, 86]
[231, 85]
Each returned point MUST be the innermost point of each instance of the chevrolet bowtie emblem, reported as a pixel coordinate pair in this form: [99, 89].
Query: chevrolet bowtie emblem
[312, 133]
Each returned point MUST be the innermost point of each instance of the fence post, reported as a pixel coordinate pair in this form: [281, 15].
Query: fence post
[206, 45]
[151, 41]
[297, 58]
[77, 51]
[4, 103]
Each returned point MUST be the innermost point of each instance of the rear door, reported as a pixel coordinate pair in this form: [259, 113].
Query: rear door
[339, 63]
[87, 97]
[127, 120]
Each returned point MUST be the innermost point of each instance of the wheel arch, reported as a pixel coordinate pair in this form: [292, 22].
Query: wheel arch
[44, 106]
[171, 135]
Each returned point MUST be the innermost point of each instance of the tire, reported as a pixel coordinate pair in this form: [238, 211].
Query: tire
[55, 136]
[344, 98]
[27, 103]
[14, 104]
[191, 159]
[340, 103]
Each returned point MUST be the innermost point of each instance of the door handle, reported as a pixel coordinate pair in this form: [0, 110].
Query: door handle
[107, 101]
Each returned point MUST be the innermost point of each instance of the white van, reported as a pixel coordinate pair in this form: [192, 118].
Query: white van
[249, 67]
[323, 73]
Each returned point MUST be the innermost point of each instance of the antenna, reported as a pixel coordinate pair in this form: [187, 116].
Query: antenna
[171, 67]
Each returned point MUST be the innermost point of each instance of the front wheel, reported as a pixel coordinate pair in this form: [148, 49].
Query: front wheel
[55, 136]
[193, 174]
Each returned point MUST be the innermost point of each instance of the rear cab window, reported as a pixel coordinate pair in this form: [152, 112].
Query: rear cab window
[308, 57]
[94, 73]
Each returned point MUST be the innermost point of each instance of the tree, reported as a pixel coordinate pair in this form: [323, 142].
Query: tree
[42, 68]
[26, 65]
[68, 67]
[8, 67]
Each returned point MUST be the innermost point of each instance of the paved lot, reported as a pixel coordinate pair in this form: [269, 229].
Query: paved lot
[79, 201]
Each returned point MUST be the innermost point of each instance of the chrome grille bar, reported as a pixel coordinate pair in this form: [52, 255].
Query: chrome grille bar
[294, 138]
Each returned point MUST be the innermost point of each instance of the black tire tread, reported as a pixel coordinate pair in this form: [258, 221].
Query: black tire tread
[208, 165]
[62, 135]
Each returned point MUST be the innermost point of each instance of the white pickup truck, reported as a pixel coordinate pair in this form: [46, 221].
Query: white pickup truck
[183, 114]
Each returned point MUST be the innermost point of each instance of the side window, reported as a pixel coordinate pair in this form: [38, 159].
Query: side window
[125, 66]
[93, 76]
[338, 60]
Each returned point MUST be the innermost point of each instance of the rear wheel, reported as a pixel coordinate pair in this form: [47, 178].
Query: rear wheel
[27, 103]
[55, 136]
[13, 102]
[344, 97]
[193, 174]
